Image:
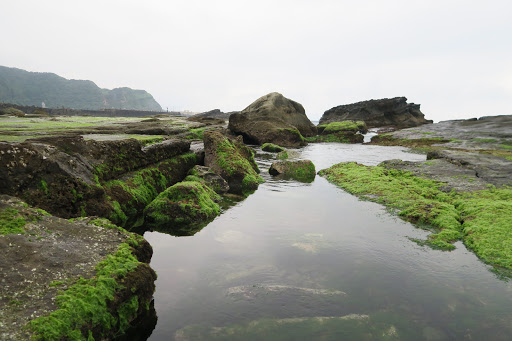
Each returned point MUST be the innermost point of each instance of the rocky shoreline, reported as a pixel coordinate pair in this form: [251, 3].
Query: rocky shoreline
[62, 178]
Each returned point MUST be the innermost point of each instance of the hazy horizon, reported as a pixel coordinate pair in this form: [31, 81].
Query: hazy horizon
[454, 58]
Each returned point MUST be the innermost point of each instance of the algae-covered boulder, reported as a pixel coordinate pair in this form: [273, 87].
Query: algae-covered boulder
[272, 148]
[273, 118]
[85, 279]
[287, 154]
[185, 204]
[344, 132]
[302, 170]
[212, 180]
[233, 161]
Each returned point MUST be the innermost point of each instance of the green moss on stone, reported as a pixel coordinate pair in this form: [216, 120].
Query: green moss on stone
[187, 202]
[11, 222]
[85, 303]
[353, 126]
[273, 148]
[480, 219]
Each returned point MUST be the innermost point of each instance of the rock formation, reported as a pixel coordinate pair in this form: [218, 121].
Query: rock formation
[302, 170]
[233, 161]
[273, 118]
[394, 112]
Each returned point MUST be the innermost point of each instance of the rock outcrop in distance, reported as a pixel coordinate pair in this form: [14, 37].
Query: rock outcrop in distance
[215, 113]
[387, 112]
[33, 88]
[273, 118]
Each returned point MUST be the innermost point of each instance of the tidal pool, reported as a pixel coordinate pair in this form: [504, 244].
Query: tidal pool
[298, 261]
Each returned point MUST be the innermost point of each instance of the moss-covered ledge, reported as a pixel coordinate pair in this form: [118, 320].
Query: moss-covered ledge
[481, 219]
[82, 279]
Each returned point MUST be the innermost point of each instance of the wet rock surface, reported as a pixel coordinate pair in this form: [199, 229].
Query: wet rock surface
[273, 118]
[302, 170]
[48, 256]
[233, 161]
[465, 154]
[394, 112]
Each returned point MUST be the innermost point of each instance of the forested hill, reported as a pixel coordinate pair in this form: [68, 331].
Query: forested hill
[33, 88]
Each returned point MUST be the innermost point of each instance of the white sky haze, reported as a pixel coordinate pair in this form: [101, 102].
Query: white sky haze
[452, 57]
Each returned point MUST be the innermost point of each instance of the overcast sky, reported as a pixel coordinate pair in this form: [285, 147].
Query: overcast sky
[452, 57]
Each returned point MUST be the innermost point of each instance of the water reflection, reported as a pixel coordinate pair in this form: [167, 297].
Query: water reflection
[309, 261]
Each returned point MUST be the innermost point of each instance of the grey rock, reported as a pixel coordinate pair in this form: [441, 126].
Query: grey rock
[273, 118]
[395, 112]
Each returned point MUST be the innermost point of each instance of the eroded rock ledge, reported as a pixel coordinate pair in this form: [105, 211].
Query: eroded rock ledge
[66, 279]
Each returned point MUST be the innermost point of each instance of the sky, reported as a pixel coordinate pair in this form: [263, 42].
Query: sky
[452, 57]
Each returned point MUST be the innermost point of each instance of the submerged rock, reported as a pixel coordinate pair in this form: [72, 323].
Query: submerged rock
[273, 118]
[69, 280]
[302, 170]
[347, 327]
[395, 112]
[185, 204]
[233, 161]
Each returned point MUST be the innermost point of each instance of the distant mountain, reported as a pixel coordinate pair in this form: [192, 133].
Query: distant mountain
[33, 88]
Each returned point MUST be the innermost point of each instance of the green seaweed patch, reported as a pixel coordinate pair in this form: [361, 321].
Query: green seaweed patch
[481, 219]
[487, 216]
[196, 134]
[418, 200]
[485, 140]
[272, 148]
[352, 126]
[11, 222]
[231, 160]
[185, 203]
[84, 305]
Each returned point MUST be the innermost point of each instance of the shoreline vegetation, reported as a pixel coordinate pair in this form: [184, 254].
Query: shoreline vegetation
[481, 219]
[84, 182]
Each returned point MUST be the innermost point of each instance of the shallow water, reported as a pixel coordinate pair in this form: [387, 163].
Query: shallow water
[309, 261]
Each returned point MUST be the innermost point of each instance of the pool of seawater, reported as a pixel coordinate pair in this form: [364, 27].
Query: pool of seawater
[297, 261]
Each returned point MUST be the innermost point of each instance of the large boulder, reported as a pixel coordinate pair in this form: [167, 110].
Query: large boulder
[233, 161]
[394, 112]
[273, 118]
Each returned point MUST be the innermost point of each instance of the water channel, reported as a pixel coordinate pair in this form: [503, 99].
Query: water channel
[308, 261]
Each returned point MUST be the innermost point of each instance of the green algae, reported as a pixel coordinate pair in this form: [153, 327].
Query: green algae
[344, 126]
[143, 186]
[303, 171]
[11, 222]
[481, 219]
[234, 161]
[85, 303]
[185, 203]
[196, 134]
[272, 148]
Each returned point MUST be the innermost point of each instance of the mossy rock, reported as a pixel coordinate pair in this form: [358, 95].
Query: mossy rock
[233, 161]
[187, 203]
[209, 178]
[344, 126]
[272, 148]
[302, 170]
